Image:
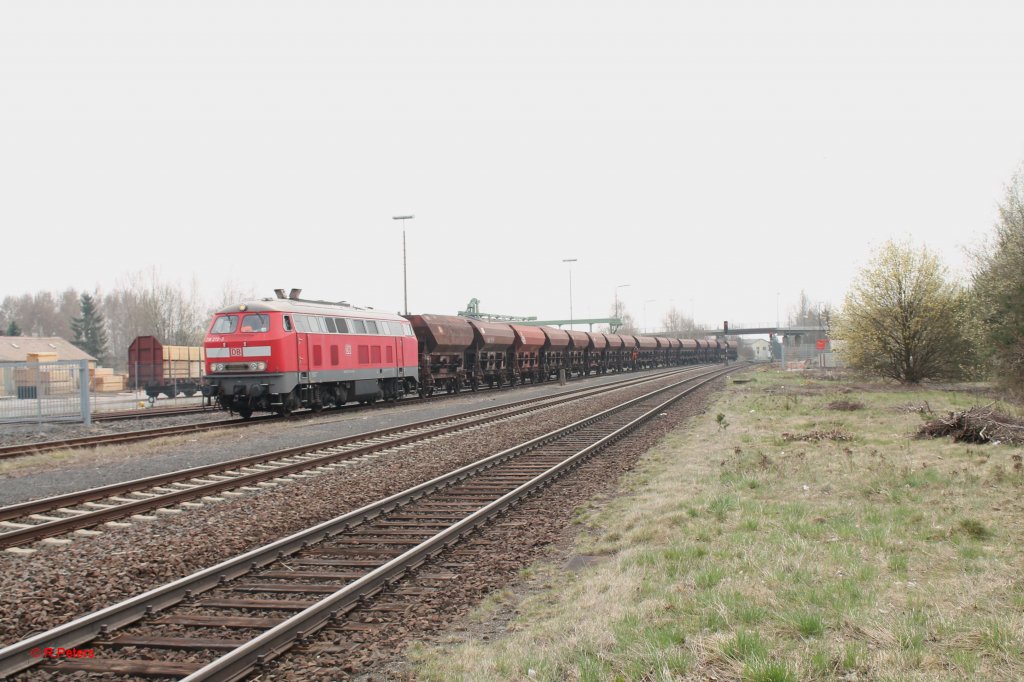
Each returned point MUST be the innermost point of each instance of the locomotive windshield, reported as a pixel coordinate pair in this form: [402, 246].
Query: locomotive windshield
[226, 324]
[255, 323]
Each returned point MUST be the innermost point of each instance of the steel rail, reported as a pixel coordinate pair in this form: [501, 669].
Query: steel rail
[15, 658]
[26, 449]
[451, 423]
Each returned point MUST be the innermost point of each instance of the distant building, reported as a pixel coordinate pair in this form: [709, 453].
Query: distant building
[30, 348]
[30, 381]
[760, 350]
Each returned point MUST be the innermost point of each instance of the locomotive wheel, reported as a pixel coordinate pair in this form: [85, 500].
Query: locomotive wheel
[458, 387]
[317, 407]
[474, 385]
[244, 411]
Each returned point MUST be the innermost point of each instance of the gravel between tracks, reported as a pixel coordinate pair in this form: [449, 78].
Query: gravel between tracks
[24, 434]
[59, 583]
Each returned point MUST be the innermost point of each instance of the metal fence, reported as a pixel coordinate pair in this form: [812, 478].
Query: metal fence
[45, 391]
[806, 356]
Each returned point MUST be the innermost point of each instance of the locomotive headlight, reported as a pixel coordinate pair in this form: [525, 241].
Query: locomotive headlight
[257, 366]
[218, 367]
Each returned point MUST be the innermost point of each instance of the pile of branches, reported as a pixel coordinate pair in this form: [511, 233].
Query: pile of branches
[976, 425]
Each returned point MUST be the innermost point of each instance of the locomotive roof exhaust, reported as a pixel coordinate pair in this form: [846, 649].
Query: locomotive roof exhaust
[279, 292]
[294, 294]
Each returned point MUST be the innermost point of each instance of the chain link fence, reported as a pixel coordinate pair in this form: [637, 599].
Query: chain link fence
[45, 391]
[790, 355]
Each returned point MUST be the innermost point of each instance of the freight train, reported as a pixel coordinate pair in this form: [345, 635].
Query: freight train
[285, 353]
[157, 368]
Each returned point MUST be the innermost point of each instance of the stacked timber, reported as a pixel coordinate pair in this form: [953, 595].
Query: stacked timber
[41, 357]
[103, 379]
[182, 362]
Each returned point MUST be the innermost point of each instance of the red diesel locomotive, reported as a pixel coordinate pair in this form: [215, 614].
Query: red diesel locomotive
[281, 354]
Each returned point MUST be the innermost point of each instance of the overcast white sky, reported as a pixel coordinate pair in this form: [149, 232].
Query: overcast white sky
[708, 154]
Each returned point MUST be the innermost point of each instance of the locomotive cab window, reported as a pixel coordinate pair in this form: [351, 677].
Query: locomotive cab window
[226, 324]
[255, 323]
[287, 323]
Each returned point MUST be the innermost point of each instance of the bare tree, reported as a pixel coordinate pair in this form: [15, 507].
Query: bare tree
[628, 326]
[231, 293]
[677, 323]
[144, 305]
[41, 313]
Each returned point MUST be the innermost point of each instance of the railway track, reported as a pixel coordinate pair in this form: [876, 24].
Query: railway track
[26, 449]
[28, 522]
[281, 594]
[125, 437]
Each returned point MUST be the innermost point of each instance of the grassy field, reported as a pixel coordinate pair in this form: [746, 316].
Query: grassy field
[779, 538]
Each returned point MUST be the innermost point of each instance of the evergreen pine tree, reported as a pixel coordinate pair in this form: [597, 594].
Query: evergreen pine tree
[90, 332]
[13, 329]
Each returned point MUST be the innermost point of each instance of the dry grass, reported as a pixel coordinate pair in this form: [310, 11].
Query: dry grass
[734, 554]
